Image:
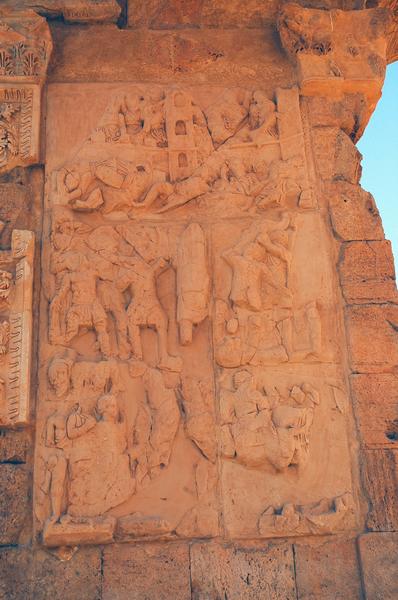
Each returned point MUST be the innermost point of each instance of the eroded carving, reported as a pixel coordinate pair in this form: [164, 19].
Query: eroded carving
[334, 56]
[16, 281]
[167, 152]
[25, 49]
[323, 517]
[259, 428]
[193, 281]
[190, 320]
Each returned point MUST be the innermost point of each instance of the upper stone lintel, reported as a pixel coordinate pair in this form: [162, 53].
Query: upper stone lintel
[78, 11]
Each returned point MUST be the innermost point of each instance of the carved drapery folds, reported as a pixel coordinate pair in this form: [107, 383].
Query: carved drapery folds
[337, 53]
[25, 49]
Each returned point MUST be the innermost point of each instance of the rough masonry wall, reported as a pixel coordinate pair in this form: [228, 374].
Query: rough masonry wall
[198, 318]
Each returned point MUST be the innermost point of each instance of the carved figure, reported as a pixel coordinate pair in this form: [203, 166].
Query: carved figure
[248, 262]
[104, 241]
[156, 424]
[199, 415]
[59, 375]
[100, 475]
[90, 465]
[259, 429]
[5, 285]
[225, 117]
[192, 281]
[144, 309]
[80, 281]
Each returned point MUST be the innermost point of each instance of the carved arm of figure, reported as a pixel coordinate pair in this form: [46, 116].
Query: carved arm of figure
[248, 236]
[312, 395]
[77, 423]
[273, 248]
[159, 266]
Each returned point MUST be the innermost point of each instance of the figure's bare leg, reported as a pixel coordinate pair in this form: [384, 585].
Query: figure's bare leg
[161, 325]
[103, 339]
[135, 339]
[72, 326]
[172, 363]
[185, 332]
[57, 468]
[287, 335]
[121, 328]
[54, 329]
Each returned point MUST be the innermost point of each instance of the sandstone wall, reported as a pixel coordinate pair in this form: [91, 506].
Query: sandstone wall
[198, 309]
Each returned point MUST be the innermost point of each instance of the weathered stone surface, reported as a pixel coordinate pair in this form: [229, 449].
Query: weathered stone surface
[226, 58]
[16, 570]
[327, 570]
[80, 11]
[14, 502]
[353, 212]
[240, 573]
[341, 113]
[127, 405]
[379, 558]
[326, 46]
[76, 578]
[14, 446]
[367, 272]
[153, 571]
[380, 477]
[375, 400]
[191, 359]
[200, 13]
[336, 156]
[373, 337]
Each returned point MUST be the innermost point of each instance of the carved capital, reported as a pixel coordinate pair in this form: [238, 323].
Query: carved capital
[336, 52]
[25, 50]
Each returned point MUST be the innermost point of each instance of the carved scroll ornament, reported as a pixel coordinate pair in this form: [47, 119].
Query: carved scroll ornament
[25, 50]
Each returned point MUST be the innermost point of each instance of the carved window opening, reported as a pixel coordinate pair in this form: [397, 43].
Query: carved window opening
[181, 128]
[182, 160]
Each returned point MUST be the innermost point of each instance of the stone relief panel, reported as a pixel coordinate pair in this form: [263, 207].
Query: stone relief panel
[191, 383]
[16, 283]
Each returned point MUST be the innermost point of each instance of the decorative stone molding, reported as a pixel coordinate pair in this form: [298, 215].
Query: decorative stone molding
[337, 52]
[25, 50]
[16, 284]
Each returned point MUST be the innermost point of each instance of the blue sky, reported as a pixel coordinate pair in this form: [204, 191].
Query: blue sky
[379, 146]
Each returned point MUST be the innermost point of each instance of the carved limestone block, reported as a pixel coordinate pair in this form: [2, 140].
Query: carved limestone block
[74, 11]
[191, 377]
[16, 282]
[337, 52]
[25, 50]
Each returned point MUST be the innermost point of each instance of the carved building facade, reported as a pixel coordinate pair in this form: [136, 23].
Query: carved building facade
[198, 329]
